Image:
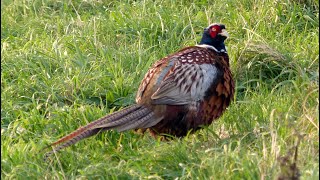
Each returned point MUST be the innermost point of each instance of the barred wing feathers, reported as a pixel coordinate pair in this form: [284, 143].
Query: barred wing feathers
[191, 75]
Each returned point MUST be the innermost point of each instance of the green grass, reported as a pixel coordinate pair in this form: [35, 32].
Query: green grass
[67, 63]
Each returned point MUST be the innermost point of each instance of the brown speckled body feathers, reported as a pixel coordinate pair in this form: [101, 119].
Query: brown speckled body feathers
[188, 89]
[179, 93]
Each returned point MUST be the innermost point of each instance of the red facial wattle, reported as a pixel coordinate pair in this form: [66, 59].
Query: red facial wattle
[214, 30]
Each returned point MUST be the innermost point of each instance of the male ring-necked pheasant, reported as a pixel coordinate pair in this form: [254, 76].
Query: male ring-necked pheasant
[179, 93]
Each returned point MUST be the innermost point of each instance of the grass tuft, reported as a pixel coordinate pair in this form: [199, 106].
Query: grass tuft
[263, 64]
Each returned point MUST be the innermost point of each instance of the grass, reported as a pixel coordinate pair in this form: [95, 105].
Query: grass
[67, 63]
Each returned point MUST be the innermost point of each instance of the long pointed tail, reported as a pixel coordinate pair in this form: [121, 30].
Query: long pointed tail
[132, 117]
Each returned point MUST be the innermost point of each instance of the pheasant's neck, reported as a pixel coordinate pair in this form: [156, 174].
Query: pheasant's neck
[216, 45]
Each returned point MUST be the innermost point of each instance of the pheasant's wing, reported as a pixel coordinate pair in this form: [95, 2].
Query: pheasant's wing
[188, 79]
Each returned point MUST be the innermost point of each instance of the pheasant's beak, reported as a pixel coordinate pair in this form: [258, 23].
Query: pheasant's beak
[224, 33]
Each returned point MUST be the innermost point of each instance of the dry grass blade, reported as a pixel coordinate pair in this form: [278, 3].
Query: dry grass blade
[288, 164]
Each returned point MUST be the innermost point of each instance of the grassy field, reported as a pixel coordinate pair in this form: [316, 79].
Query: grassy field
[67, 63]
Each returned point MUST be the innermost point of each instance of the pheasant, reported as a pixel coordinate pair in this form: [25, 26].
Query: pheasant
[179, 94]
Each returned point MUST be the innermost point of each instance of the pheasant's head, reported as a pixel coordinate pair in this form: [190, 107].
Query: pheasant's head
[214, 35]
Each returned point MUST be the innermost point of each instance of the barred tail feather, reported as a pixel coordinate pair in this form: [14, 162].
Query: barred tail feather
[132, 117]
